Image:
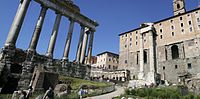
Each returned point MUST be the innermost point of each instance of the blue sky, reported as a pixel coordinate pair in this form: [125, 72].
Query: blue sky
[114, 17]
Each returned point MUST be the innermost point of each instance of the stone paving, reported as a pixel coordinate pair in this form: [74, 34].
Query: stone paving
[119, 91]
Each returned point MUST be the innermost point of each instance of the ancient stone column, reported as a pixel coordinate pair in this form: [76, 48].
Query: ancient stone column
[141, 72]
[89, 54]
[78, 53]
[53, 36]
[151, 52]
[84, 46]
[37, 31]
[68, 41]
[151, 75]
[17, 23]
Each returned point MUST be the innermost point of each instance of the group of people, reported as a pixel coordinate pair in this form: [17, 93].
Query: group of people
[25, 94]
[49, 94]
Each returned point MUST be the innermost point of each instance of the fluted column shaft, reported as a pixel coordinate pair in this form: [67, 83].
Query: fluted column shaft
[84, 46]
[78, 53]
[68, 41]
[151, 52]
[89, 56]
[37, 31]
[141, 54]
[17, 23]
[53, 36]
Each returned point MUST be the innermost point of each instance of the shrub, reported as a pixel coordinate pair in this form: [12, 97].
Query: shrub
[130, 91]
[189, 96]
[142, 92]
[197, 97]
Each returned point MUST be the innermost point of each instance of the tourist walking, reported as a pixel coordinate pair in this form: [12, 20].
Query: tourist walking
[49, 94]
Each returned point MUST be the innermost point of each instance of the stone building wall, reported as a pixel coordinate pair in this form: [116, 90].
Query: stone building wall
[107, 60]
[188, 60]
[181, 31]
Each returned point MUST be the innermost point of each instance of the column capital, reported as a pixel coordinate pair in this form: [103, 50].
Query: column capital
[92, 30]
[82, 26]
[43, 6]
[71, 19]
[58, 13]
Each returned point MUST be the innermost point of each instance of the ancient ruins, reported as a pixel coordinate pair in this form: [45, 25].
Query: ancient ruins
[20, 68]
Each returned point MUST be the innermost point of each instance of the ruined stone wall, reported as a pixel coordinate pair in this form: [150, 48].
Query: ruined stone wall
[188, 60]
[133, 63]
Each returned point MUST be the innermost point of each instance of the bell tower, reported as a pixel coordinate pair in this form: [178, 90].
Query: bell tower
[179, 7]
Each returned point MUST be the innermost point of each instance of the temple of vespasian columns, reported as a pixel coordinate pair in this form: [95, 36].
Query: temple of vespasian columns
[20, 69]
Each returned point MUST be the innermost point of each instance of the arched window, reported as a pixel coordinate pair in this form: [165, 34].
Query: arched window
[178, 6]
[175, 53]
[145, 57]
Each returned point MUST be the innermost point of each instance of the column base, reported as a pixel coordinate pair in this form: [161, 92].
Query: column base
[64, 62]
[50, 65]
[49, 55]
[26, 75]
[141, 76]
[151, 77]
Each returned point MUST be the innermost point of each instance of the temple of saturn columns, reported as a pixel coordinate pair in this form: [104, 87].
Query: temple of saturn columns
[20, 69]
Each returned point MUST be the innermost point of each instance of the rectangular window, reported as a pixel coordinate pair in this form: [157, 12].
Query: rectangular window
[135, 43]
[190, 23]
[181, 18]
[199, 26]
[171, 21]
[137, 58]
[160, 30]
[172, 27]
[182, 30]
[190, 29]
[160, 36]
[189, 66]
[172, 33]
[198, 20]
[130, 39]
[181, 24]
[163, 67]
[176, 66]
[125, 62]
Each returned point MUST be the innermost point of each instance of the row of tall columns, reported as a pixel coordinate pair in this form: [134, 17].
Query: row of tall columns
[82, 44]
[17, 23]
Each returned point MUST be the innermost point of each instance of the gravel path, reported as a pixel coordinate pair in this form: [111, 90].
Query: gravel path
[117, 92]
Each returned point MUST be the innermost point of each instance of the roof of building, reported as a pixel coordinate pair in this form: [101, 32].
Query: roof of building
[108, 53]
[162, 20]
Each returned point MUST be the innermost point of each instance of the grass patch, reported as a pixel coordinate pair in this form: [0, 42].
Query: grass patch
[5, 96]
[76, 83]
